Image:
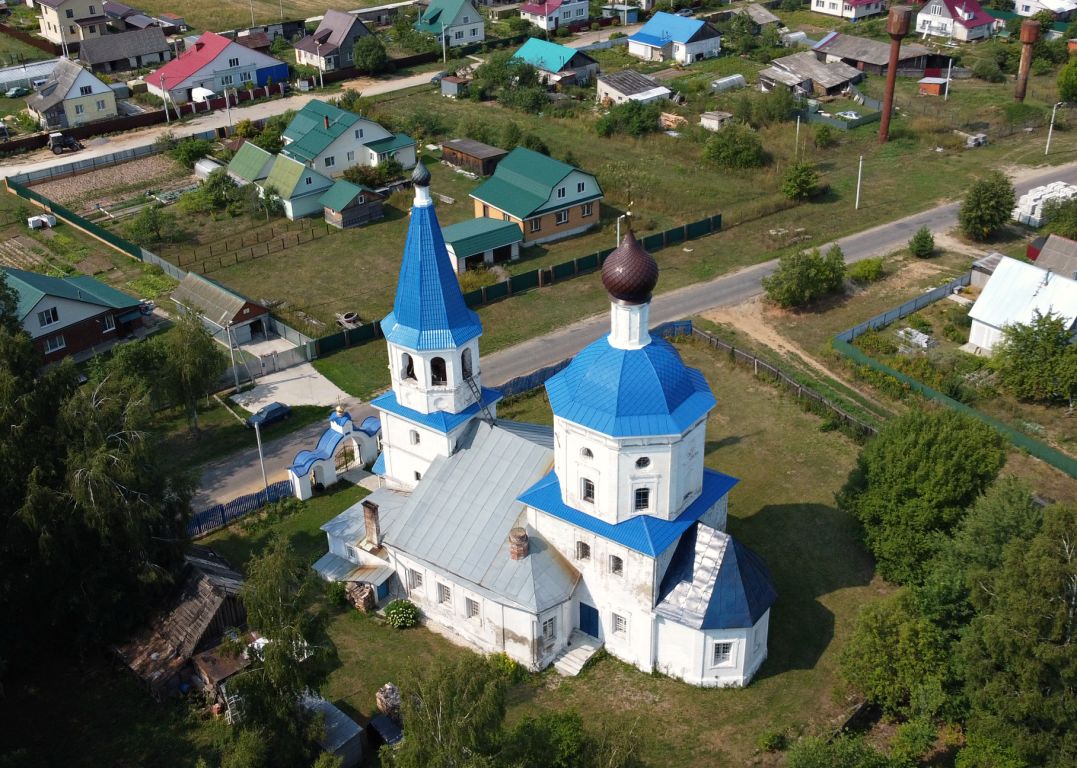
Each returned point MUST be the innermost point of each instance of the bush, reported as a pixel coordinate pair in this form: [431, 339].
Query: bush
[507, 668]
[913, 740]
[825, 136]
[402, 614]
[376, 176]
[531, 99]
[988, 69]
[804, 277]
[336, 593]
[772, 741]
[987, 206]
[190, 151]
[735, 146]
[866, 271]
[922, 244]
[801, 181]
[632, 117]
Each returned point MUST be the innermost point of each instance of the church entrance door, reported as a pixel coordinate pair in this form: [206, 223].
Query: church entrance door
[588, 620]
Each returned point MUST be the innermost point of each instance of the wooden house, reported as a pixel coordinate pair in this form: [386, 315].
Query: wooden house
[473, 156]
[350, 205]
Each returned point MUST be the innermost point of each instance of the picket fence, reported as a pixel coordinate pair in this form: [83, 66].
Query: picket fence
[220, 515]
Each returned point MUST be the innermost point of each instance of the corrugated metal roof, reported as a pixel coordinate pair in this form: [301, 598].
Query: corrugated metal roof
[715, 582]
[391, 143]
[481, 234]
[199, 55]
[332, 32]
[1059, 254]
[212, 300]
[643, 533]
[125, 45]
[522, 182]
[866, 50]
[31, 287]
[251, 163]
[624, 392]
[458, 522]
[335, 568]
[542, 54]
[55, 90]
[630, 83]
[341, 194]
[665, 27]
[286, 174]
[438, 13]
[443, 421]
[429, 310]
[474, 148]
[1016, 291]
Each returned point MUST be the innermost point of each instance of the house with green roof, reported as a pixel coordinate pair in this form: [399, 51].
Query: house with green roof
[300, 188]
[557, 63]
[459, 20]
[481, 242]
[250, 164]
[330, 140]
[349, 205]
[71, 316]
[547, 199]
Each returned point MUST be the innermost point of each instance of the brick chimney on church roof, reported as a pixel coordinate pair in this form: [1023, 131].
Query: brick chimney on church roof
[519, 546]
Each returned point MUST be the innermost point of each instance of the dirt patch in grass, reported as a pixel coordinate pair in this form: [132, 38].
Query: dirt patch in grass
[106, 186]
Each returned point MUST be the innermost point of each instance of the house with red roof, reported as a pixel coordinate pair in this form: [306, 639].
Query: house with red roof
[216, 63]
[555, 13]
[848, 9]
[962, 20]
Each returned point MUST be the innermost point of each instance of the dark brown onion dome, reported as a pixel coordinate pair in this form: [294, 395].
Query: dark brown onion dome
[630, 273]
[420, 177]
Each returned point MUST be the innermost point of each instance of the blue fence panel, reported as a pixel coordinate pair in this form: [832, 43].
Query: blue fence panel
[220, 515]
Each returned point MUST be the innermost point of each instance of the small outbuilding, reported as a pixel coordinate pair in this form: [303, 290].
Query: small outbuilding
[454, 87]
[482, 242]
[350, 205]
[626, 85]
[343, 738]
[728, 83]
[205, 166]
[715, 121]
[628, 14]
[221, 308]
[932, 86]
[472, 156]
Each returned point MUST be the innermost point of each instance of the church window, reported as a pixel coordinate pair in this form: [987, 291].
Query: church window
[620, 625]
[586, 453]
[471, 607]
[353, 553]
[437, 371]
[444, 593]
[465, 363]
[418, 476]
[643, 462]
[722, 654]
[617, 565]
[415, 437]
[549, 630]
[583, 550]
[643, 499]
[408, 367]
[587, 490]
[415, 580]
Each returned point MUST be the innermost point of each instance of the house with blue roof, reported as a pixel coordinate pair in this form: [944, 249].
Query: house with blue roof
[330, 140]
[548, 543]
[667, 37]
[557, 64]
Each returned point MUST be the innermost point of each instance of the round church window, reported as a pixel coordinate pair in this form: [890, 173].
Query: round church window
[643, 462]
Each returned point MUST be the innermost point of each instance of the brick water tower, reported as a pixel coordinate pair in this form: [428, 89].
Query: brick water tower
[897, 26]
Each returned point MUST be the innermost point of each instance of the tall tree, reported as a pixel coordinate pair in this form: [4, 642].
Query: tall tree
[9, 304]
[987, 206]
[370, 56]
[913, 482]
[1037, 361]
[195, 361]
[1020, 653]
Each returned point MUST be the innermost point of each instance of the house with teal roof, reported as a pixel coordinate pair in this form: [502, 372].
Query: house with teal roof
[71, 316]
[458, 20]
[557, 63]
[330, 140]
[481, 242]
[250, 164]
[547, 199]
[299, 188]
[351, 205]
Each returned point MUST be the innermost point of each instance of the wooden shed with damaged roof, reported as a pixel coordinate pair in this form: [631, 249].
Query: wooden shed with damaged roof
[205, 605]
[221, 308]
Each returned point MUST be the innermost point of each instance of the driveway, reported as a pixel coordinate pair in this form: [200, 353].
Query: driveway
[298, 385]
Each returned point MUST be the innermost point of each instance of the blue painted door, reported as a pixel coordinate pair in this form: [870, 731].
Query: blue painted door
[588, 620]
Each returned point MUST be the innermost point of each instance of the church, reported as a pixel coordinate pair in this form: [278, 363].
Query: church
[604, 530]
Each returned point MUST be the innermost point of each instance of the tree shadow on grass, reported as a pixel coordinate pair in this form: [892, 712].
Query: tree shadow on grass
[812, 550]
[726, 442]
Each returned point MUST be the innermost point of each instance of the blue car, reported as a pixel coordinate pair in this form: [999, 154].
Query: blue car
[269, 414]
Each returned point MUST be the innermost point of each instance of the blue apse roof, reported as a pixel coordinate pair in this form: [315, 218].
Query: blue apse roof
[643, 533]
[379, 465]
[442, 421]
[737, 597]
[429, 310]
[627, 392]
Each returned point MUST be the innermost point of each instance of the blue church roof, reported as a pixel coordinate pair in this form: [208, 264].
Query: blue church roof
[429, 310]
[715, 582]
[442, 421]
[643, 533]
[623, 393]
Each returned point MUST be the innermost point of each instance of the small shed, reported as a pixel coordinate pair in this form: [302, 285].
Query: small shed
[221, 308]
[715, 121]
[728, 83]
[204, 167]
[471, 155]
[343, 737]
[350, 205]
[627, 14]
[454, 87]
[932, 86]
[984, 267]
[481, 242]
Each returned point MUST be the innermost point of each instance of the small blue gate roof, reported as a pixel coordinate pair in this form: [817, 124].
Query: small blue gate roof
[643, 533]
[623, 393]
[429, 310]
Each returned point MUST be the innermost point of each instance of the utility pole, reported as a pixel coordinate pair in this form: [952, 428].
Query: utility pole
[949, 70]
[164, 98]
[859, 176]
[252, 13]
[1051, 128]
[261, 458]
[444, 46]
[796, 141]
[228, 332]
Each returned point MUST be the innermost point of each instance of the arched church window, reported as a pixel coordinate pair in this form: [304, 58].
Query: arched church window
[407, 370]
[643, 462]
[437, 371]
[465, 363]
[586, 453]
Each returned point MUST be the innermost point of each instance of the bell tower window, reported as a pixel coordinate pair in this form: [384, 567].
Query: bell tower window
[465, 363]
[586, 453]
[407, 369]
[587, 490]
[437, 371]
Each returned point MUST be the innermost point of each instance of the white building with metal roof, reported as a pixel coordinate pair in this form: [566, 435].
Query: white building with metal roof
[1015, 294]
[546, 544]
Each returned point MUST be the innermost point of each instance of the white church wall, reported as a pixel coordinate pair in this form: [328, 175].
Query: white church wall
[690, 655]
[409, 448]
[420, 393]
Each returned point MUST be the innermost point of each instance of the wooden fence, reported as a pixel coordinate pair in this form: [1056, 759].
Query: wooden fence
[220, 515]
[254, 245]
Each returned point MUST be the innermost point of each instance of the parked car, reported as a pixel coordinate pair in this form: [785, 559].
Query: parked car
[686, 12]
[849, 114]
[17, 92]
[269, 414]
[436, 79]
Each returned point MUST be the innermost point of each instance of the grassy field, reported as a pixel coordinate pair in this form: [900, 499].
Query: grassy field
[217, 16]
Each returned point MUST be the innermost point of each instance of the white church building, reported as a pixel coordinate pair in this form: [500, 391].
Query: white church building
[605, 530]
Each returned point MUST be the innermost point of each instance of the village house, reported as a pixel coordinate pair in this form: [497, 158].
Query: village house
[299, 187]
[804, 74]
[333, 42]
[348, 205]
[962, 20]
[256, 41]
[69, 22]
[1062, 10]
[474, 156]
[848, 9]
[1014, 294]
[331, 140]
[759, 15]
[1055, 253]
[458, 20]
[548, 543]
[71, 96]
[126, 51]
[71, 316]
[230, 318]
[626, 85]
[548, 200]
[216, 63]
[557, 64]
[481, 242]
[555, 14]
[249, 164]
[666, 37]
[873, 56]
